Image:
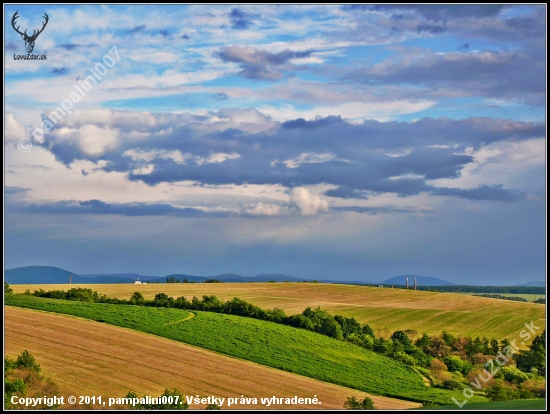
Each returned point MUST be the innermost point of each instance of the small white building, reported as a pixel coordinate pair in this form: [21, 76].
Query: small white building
[138, 282]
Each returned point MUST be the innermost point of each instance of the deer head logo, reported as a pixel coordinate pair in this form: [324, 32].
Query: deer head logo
[29, 40]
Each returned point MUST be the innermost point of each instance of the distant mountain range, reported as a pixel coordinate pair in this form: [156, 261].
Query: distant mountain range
[537, 283]
[420, 281]
[55, 275]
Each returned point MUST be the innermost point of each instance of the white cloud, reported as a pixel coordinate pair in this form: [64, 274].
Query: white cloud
[308, 203]
[13, 131]
[143, 155]
[217, 157]
[263, 209]
[91, 139]
[357, 111]
[154, 57]
[308, 158]
[146, 169]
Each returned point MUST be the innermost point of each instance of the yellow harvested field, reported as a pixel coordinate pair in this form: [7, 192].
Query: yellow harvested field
[384, 309]
[91, 358]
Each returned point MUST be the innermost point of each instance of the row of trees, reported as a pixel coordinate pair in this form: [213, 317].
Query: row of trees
[516, 298]
[174, 280]
[538, 290]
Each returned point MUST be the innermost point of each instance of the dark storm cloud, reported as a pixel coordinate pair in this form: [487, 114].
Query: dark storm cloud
[381, 210]
[70, 46]
[221, 96]
[438, 12]
[136, 29]
[121, 209]
[378, 157]
[483, 192]
[240, 20]
[346, 193]
[8, 191]
[59, 71]
[259, 64]
[430, 28]
[496, 74]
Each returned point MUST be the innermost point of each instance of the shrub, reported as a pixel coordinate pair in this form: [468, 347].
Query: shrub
[175, 394]
[81, 294]
[349, 326]
[404, 358]
[482, 375]
[512, 374]
[353, 403]
[423, 342]
[26, 360]
[163, 300]
[403, 338]
[22, 378]
[323, 323]
[421, 358]
[137, 297]
[382, 346]
[456, 364]
[300, 321]
[533, 388]
[7, 288]
[277, 315]
[437, 347]
[438, 368]
[502, 392]
[451, 384]
[212, 407]
[367, 330]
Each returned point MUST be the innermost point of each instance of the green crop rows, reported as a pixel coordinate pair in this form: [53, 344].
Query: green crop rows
[278, 346]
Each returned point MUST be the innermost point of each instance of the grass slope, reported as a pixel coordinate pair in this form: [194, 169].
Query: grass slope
[85, 357]
[385, 310]
[536, 404]
[277, 346]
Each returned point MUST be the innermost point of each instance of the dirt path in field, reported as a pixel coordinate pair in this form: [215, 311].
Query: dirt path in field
[89, 358]
[191, 316]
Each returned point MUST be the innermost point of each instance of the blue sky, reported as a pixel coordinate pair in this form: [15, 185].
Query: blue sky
[326, 141]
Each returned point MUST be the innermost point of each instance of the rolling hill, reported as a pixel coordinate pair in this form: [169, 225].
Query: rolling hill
[537, 283]
[90, 358]
[279, 346]
[55, 275]
[384, 309]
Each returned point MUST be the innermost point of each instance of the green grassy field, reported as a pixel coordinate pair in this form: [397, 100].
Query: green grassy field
[385, 310]
[278, 346]
[537, 404]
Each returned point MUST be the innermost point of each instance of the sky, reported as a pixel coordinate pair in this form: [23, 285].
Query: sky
[344, 142]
